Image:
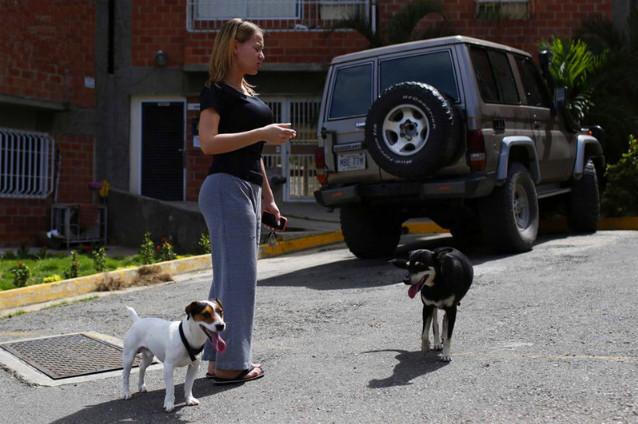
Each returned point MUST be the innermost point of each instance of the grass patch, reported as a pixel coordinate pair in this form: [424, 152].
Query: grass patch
[57, 264]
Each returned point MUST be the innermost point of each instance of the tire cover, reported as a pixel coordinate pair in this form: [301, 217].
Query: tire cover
[434, 143]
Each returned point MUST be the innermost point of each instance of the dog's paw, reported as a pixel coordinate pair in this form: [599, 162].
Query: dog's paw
[142, 388]
[437, 346]
[425, 346]
[445, 358]
[126, 395]
[191, 401]
[169, 404]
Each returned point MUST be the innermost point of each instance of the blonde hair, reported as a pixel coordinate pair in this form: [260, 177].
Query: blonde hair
[221, 57]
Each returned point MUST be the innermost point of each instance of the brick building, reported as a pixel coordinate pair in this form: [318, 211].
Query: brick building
[112, 85]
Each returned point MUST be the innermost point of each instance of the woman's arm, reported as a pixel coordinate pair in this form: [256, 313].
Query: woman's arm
[213, 143]
[267, 197]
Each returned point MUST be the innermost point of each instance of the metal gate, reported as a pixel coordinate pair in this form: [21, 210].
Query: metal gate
[295, 160]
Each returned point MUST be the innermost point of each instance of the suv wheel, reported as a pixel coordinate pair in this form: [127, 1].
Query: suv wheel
[509, 216]
[412, 130]
[583, 206]
[370, 233]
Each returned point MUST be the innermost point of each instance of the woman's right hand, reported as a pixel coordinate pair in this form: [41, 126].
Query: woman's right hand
[278, 133]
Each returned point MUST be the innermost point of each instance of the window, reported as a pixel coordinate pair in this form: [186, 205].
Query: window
[532, 82]
[484, 76]
[504, 77]
[246, 9]
[502, 9]
[435, 69]
[26, 164]
[494, 76]
[352, 94]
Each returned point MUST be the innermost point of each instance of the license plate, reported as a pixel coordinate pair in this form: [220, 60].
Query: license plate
[351, 161]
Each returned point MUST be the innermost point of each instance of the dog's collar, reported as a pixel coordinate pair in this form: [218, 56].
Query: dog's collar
[191, 352]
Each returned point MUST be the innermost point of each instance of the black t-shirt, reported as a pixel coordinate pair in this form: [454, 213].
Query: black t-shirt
[238, 113]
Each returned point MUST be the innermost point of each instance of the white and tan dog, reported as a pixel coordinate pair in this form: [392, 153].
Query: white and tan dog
[175, 343]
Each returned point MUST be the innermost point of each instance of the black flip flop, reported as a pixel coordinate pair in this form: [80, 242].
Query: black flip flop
[239, 378]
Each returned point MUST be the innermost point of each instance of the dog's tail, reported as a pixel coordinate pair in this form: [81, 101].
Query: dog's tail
[133, 314]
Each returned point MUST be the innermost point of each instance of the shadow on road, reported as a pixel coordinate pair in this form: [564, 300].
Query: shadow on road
[143, 407]
[410, 366]
[352, 273]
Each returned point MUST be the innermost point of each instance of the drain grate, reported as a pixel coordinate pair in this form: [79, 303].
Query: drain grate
[68, 356]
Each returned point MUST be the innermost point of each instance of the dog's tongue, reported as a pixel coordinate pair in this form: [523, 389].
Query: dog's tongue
[218, 342]
[413, 290]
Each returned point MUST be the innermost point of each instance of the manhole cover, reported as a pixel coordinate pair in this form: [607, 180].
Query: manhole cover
[68, 356]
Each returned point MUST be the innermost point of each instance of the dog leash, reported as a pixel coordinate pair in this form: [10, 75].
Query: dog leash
[191, 352]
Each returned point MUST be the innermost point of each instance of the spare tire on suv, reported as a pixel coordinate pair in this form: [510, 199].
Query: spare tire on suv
[412, 130]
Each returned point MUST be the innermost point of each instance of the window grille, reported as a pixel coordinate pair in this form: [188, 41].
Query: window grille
[27, 164]
[295, 162]
[502, 9]
[276, 15]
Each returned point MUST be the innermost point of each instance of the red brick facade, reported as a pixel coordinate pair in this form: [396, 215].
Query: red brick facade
[46, 50]
[160, 24]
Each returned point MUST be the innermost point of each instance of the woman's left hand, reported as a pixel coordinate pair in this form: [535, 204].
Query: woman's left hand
[269, 205]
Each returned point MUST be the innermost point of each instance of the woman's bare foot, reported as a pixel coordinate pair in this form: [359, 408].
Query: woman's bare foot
[255, 372]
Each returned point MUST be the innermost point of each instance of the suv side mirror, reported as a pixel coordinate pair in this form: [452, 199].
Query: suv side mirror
[544, 59]
[560, 98]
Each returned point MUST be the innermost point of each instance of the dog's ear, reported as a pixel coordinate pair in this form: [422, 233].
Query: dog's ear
[219, 302]
[401, 263]
[193, 308]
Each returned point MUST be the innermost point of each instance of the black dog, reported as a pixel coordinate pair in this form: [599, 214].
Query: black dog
[443, 276]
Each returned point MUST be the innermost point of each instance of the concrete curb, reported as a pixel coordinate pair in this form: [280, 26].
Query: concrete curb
[10, 299]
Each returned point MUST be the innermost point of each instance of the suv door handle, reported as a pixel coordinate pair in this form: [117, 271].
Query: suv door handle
[360, 124]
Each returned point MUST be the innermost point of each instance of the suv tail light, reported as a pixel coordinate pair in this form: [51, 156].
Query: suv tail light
[476, 150]
[320, 165]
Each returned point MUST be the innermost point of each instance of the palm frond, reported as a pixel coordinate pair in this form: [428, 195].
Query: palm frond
[401, 26]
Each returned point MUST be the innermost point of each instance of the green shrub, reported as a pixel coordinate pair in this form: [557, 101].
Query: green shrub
[166, 252]
[203, 244]
[621, 194]
[147, 249]
[43, 253]
[73, 270]
[9, 255]
[99, 259]
[21, 274]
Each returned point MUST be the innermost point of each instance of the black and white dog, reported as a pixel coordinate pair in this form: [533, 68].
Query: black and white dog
[443, 276]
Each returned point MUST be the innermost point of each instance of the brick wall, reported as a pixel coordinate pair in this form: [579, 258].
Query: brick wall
[25, 221]
[547, 18]
[47, 48]
[161, 24]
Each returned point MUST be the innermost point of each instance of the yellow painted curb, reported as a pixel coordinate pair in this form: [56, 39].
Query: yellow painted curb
[303, 243]
[424, 228]
[559, 224]
[76, 286]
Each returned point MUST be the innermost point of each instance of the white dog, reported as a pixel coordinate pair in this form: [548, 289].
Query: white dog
[175, 343]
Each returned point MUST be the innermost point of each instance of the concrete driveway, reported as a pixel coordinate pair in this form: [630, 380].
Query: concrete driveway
[545, 336]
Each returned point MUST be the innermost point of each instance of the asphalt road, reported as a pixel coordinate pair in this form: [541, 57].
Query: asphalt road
[542, 337]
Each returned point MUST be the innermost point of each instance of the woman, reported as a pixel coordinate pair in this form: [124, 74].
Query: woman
[233, 127]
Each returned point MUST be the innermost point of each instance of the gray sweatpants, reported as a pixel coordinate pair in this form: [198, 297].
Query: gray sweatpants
[232, 210]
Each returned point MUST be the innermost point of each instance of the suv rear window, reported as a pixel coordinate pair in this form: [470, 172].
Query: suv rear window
[352, 94]
[494, 76]
[435, 69]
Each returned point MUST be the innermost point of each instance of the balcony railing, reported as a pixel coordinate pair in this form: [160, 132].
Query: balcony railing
[277, 15]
